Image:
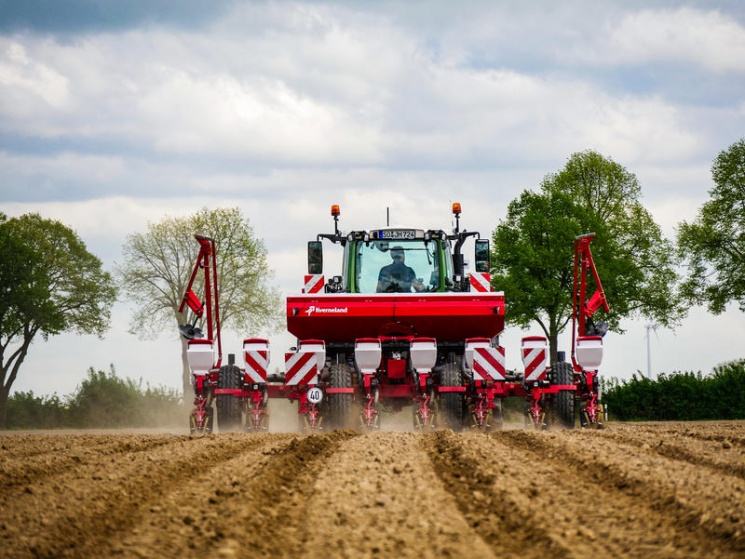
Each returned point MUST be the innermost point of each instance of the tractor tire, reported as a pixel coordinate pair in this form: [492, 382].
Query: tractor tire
[452, 404]
[340, 405]
[229, 407]
[564, 401]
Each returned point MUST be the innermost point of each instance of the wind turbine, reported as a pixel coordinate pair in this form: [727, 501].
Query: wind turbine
[650, 326]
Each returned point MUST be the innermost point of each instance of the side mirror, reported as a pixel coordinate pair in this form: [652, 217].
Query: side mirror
[482, 255]
[315, 257]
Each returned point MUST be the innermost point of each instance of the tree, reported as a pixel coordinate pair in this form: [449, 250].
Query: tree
[713, 245]
[49, 284]
[533, 258]
[157, 265]
[533, 249]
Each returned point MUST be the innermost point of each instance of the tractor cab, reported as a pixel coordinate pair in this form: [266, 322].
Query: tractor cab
[398, 259]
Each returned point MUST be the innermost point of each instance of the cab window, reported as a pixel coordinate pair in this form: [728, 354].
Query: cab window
[401, 266]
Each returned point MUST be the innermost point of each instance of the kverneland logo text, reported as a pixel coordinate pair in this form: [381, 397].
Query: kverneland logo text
[328, 310]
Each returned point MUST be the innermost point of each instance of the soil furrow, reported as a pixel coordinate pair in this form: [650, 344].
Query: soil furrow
[718, 454]
[698, 507]
[27, 460]
[380, 497]
[70, 515]
[570, 510]
[254, 505]
[715, 431]
[483, 485]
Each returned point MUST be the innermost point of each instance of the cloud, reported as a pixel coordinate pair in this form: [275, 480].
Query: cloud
[315, 86]
[29, 84]
[258, 117]
[710, 39]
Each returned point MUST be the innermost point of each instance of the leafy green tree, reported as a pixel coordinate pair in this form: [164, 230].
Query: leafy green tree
[533, 249]
[533, 261]
[727, 390]
[639, 263]
[157, 265]
[49, 284]
[713, 245]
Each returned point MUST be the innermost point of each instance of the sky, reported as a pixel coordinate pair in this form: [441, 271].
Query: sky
[114, 115]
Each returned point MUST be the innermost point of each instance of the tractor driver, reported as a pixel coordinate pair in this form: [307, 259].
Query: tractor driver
[397, 276]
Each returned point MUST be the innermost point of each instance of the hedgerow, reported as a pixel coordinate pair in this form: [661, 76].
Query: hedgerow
[680, 396]
[102, 400]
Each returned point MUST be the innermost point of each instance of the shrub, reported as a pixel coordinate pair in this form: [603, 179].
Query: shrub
[103, 400]
[25, 410]
[680, 396]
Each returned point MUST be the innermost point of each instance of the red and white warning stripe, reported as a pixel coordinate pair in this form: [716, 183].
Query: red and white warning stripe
[480, 282]
[535, 357]
[488, 363]
[256, 357]
[301, 368]
[313, 283]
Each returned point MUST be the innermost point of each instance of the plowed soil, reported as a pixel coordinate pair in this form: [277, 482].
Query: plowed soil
[630, 490]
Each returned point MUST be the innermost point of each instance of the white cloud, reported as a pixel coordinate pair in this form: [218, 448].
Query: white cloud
[710, 39]
[636, 129]
[259, 117]
[486, 117]
[28, 85]
[336, 88]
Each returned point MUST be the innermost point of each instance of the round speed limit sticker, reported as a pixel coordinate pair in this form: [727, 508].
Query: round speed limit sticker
[315, 395]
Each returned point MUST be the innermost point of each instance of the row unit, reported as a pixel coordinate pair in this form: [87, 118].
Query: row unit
[481, 357]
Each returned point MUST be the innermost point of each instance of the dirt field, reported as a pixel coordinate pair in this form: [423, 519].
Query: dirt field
[642, 490]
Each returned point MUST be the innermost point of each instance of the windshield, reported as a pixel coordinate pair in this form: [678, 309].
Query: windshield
[401, 266]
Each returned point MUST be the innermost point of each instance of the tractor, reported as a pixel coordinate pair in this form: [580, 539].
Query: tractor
[402, 326]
